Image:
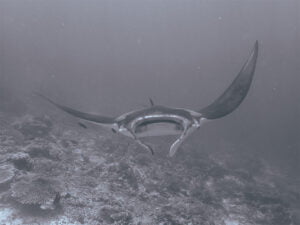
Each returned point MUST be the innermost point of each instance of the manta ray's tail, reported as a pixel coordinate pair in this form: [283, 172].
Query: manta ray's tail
[235, 93]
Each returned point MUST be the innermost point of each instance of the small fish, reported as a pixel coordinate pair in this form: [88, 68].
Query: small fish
[82, 125]
[159, 120]
[151, 102]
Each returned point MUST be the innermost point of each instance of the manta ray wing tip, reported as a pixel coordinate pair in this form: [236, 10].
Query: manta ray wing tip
[233, 96]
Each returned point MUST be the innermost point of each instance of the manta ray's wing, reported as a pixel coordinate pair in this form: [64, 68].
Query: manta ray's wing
[81, 115]
[235, 93]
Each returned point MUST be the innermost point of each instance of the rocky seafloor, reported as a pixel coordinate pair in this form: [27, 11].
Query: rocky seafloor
[56, 173]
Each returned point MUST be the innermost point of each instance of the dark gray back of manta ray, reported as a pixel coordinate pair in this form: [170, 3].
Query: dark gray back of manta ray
[235, 93]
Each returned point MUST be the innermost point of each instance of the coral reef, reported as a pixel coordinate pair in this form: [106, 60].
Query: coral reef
[39, 191]
[21, 161]
[33, 127]
[114, 215]
[7, 173]
[95, 177]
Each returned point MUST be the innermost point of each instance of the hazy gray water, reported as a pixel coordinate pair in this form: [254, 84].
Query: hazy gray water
[110, 56]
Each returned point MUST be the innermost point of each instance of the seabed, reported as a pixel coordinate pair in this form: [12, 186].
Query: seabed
[56, 172]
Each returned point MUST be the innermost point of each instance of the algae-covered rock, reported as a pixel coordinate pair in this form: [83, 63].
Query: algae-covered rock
[41, 148]
[42, 192]
[33, 127]
[114, 215]
[8, 134]
[21, 161]
[7, 173]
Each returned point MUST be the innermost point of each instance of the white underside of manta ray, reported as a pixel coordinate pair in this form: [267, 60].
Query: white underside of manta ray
[159, 120]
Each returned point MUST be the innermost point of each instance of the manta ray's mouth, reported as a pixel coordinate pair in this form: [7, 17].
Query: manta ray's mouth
[158, 127]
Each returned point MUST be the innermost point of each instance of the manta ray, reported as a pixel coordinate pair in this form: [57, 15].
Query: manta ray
[159, 120]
